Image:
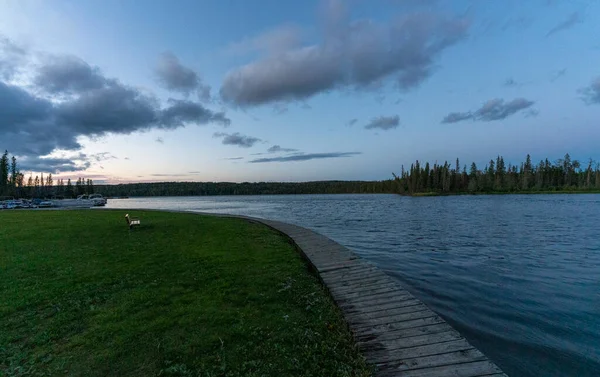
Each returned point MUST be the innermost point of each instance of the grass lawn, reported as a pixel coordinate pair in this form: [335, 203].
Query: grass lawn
[182, 295]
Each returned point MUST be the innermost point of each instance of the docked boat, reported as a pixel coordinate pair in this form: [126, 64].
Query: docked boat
[95, 200]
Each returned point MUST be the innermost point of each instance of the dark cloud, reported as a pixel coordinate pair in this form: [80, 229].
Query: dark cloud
[181, 112]
[494, 109]
[237, 139]
[233, 158]
[174, 76]
[350, 55]
[497, 109]
[591, 93]
[115, 108]
[456, 117]
[11, 56]
[68, 74]
[383, 123]
[91, 105]
[277, 148]
[53, 165]
[305, 157]
[573, 19]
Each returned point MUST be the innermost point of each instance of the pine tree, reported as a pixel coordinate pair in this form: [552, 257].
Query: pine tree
[4, 174]
[473, 178]
[69, 192]
[526, 173]
[14, 172]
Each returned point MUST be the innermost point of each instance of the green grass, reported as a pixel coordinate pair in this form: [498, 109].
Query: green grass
[182, 295]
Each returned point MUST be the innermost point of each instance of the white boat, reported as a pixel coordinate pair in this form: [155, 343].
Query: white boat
[95, 200]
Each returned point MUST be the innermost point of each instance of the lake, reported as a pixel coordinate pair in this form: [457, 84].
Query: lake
[518, 275]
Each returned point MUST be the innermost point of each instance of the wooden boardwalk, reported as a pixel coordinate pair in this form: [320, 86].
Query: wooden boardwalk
[394, 330]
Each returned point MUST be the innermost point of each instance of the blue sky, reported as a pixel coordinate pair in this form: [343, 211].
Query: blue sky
[118, 90]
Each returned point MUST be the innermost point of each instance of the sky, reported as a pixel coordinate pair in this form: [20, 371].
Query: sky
[137, 91]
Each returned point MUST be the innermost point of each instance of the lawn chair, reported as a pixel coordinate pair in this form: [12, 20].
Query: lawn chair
[132, 221]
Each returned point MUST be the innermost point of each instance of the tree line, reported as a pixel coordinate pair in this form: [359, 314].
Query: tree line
[246, 188]
[564, 174]
[14, 185]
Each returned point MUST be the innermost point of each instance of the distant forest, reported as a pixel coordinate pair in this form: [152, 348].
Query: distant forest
[564, 175]
[246, 188]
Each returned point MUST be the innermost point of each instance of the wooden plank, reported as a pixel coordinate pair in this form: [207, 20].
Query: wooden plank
[413, 341]
[375, 330]
[348, 267]
[351, 279]
[368, 293]
[450, 358]
[360, 322]
[343, 288]
[358, 265]
[405, 333]
[384, 305]
[389, 312]
[378, 356]
[373, 298]
[471, 369]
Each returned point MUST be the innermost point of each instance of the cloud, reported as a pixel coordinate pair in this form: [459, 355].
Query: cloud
[237, 139]
[68, 74]
[68, 98]
[99, 157]
[591, 93]
[277, 148]
[497, 109]
[11, 57]
[352, 122]
[350, 55]
[494, 109]
[233, 158]
[573, 19]
[383, 123]
[182, 112]
[305, 157]
[159, 140]
[174, 76]
[54, 165]
[274, 41]
[456, 117]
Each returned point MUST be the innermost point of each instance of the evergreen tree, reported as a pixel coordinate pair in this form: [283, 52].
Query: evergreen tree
[4, 174]
[69, 191]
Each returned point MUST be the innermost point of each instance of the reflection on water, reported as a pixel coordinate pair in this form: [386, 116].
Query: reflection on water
[519, 276]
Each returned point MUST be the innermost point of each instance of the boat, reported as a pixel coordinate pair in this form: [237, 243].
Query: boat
[98, 199]
[95, 200]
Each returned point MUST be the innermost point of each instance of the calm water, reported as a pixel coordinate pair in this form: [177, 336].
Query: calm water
[519, 276]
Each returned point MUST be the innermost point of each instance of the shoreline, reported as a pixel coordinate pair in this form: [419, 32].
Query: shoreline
[380, 313]
[499, 193]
